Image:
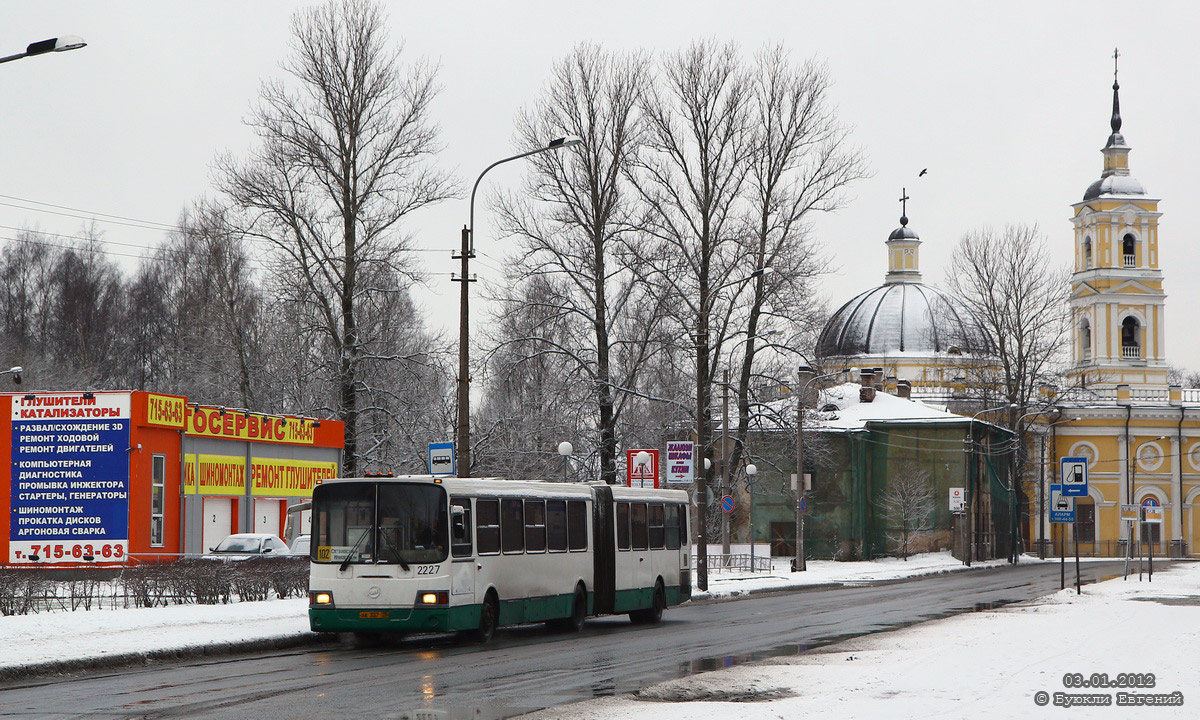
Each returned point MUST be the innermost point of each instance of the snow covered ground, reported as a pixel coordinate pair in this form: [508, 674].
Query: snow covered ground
[64, 640]
[1003, 663]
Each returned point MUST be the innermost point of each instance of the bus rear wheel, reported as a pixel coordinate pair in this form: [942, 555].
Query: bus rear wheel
[653, 614]
[574, 623]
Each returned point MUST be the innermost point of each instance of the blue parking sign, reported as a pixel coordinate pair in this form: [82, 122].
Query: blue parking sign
[1062, 506]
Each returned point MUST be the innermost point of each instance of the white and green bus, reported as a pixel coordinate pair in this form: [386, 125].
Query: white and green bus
[429, 554]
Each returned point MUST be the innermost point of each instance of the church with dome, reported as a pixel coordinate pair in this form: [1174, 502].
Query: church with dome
[904, 328]
[1114, 410]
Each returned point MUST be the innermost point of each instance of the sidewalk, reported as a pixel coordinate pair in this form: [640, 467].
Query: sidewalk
[62, 641]
[1010, 662]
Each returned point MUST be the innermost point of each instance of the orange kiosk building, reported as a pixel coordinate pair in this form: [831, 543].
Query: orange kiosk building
[97, 477]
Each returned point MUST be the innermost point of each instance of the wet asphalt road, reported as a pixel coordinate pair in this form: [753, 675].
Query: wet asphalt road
[524, 668]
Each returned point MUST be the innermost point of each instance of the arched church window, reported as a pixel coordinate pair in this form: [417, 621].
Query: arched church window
[1087, 253]
[1085, 339]
[1129, 251]
[1131, 338]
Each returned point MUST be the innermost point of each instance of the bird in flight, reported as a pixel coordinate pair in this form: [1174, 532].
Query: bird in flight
[922, 173]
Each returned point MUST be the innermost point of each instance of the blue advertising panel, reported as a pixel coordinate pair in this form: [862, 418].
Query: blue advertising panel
[70, 478]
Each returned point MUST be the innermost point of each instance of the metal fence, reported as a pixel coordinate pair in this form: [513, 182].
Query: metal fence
[737, 561]
[25, 590]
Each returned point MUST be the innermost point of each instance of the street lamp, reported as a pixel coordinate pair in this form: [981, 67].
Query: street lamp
[751, 471]
[799, 564]
[462, 439]
[15, 372]
[62, 44]
[565, 449]
[726, 481]
[704, 417]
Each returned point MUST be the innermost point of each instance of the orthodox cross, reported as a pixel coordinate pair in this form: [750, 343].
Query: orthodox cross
[904, 204]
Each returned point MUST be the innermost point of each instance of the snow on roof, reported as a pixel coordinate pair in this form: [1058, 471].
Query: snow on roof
[851, 414]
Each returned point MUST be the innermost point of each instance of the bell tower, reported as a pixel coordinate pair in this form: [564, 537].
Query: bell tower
[1117, 298]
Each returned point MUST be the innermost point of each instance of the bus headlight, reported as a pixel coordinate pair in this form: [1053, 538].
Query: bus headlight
[320, 597]
[433, 598]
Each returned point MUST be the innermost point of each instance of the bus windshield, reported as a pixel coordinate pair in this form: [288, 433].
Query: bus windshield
[364, 522]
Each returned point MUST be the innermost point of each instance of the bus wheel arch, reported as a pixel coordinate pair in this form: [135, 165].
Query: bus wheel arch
[653, 614]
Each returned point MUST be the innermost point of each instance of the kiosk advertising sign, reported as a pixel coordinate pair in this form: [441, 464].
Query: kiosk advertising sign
[681, 462]
[70, 478]
[641, 468]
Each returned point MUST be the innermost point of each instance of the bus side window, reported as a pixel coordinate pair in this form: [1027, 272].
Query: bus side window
[637, 522]
[556, 525]
[656, 527]
[623, 526]
[487, 526]
[512, 526]
[535, 525]
[577, 533]
[461, 547]
[673, 530]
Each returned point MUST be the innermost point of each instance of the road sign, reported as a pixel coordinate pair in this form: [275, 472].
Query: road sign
[727, 504]
[1062, 506]
[1130, 513]
[641, 468]
[1152, 512]
[681, 462]
[441, 458]
[803, 504]
[1074, 476]
[958, 500]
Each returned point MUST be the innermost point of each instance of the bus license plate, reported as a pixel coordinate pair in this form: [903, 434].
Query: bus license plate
[372, 615]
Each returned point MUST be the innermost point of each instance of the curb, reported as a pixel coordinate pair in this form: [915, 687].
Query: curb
[129, 659]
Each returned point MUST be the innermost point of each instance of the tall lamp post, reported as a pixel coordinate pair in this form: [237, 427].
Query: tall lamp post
[62, 44]
[462, 440]
[726, 480]
[704, 421]
[967, 443]
[804, 380]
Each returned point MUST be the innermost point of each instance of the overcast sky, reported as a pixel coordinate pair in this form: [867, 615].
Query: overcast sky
[1007, 105]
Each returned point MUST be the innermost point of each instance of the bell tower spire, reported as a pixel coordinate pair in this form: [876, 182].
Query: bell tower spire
[903, 249]
[1117, 299]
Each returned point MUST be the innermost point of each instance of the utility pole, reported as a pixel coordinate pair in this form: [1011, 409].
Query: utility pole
[804, 377]
[463, 440]
[725, 464]
[970, 514]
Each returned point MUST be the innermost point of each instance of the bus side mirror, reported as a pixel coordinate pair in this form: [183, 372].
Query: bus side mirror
[458, 523]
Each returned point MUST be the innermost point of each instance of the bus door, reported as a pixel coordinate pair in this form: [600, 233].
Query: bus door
[603, 552]
[462, 551]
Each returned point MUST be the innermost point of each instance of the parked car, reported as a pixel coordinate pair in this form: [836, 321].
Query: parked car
[301, 544]
[243, 546]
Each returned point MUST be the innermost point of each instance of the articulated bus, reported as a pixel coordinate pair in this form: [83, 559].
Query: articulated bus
[431, 554]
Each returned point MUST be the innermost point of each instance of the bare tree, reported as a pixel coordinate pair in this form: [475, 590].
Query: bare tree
[908, 503]
[1017, 310]
[801, 162]
[691, 174]
[580, 215]
[341, 162]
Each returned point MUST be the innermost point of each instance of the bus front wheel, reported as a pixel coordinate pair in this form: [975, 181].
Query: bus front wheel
[489, 615]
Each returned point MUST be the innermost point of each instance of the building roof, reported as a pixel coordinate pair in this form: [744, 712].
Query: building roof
[901, 317]
[853, 414]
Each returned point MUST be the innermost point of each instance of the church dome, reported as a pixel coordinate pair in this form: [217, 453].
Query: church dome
[1114, 185]
[903, 317]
